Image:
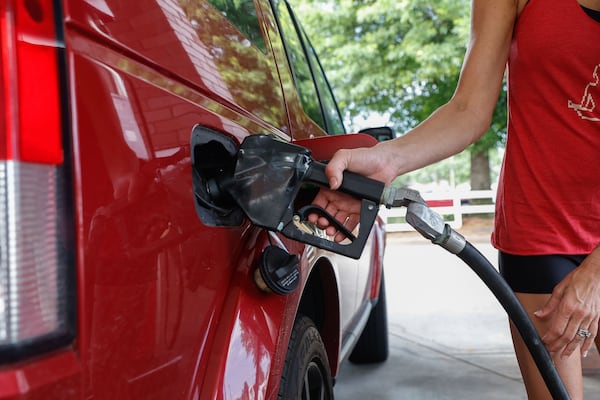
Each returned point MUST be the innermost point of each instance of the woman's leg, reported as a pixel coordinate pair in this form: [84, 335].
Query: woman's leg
[569, 369]
[533, 278]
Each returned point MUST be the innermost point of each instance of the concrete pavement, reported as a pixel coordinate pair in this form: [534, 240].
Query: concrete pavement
[449, 337]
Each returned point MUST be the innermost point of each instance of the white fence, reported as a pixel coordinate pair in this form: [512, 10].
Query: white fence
[450, 205]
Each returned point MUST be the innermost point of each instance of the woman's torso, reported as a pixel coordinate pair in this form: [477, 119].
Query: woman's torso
[549, 194]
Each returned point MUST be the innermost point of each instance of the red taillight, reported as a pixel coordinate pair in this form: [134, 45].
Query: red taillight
[36, 268]
[30, 69]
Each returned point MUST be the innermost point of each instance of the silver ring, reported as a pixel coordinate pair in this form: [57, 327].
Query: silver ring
[584, 333]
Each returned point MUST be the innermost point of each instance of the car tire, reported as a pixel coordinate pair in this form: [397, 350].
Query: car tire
[306, 373]
[373, 344]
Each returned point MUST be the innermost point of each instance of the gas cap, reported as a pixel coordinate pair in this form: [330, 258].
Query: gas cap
[278, 271]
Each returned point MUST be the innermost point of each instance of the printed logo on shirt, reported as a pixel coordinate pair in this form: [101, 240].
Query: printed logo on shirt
[589, 107]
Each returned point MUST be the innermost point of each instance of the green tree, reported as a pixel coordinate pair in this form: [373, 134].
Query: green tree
[399, 58]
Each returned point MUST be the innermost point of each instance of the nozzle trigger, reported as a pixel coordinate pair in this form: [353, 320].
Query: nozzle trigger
[305, 211]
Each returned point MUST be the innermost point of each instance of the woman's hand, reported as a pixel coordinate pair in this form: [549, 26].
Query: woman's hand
[343, 207]
[574, 309]
[377, 162]
[374, 162]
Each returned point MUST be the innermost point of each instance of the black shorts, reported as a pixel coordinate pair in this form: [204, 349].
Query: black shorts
[536, 274]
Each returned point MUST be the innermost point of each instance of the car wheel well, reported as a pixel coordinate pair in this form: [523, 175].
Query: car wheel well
[320, 303]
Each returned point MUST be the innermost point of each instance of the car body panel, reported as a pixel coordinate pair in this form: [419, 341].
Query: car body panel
[191, 41]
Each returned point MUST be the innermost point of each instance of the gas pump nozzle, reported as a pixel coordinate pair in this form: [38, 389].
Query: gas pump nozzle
[269, 174]
[265, 183]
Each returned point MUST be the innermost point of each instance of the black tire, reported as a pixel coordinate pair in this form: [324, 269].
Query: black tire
[306, 373]
[373, 344]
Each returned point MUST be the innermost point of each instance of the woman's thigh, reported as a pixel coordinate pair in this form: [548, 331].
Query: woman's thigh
[536, 274]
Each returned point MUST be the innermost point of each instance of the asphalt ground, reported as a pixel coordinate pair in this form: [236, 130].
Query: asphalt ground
[449, 336]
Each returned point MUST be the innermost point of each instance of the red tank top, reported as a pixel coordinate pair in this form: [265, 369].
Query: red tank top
[548, 198]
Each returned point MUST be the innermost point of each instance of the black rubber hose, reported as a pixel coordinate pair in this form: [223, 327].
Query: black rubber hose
[488, 274]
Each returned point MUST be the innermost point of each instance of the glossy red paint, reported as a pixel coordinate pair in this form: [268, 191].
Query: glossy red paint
[323, 148]
[167, 307]
[55, 376]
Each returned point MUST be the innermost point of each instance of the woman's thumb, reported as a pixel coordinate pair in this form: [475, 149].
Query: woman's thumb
[335, 169]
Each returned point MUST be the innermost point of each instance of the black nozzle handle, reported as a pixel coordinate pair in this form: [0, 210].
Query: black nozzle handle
[353, 184]
[353, 249]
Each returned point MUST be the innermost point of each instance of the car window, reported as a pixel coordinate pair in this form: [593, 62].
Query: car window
[313, 88]
[329, 106]
[299, 63]
[242, 14]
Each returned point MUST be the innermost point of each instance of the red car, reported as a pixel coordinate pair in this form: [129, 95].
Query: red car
[120, 278]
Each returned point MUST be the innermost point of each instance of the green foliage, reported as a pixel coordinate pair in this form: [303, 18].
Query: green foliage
[396, 56]
[400, 58]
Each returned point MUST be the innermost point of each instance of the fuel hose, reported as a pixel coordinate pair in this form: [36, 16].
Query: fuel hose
[432, 226]
[498, 286]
